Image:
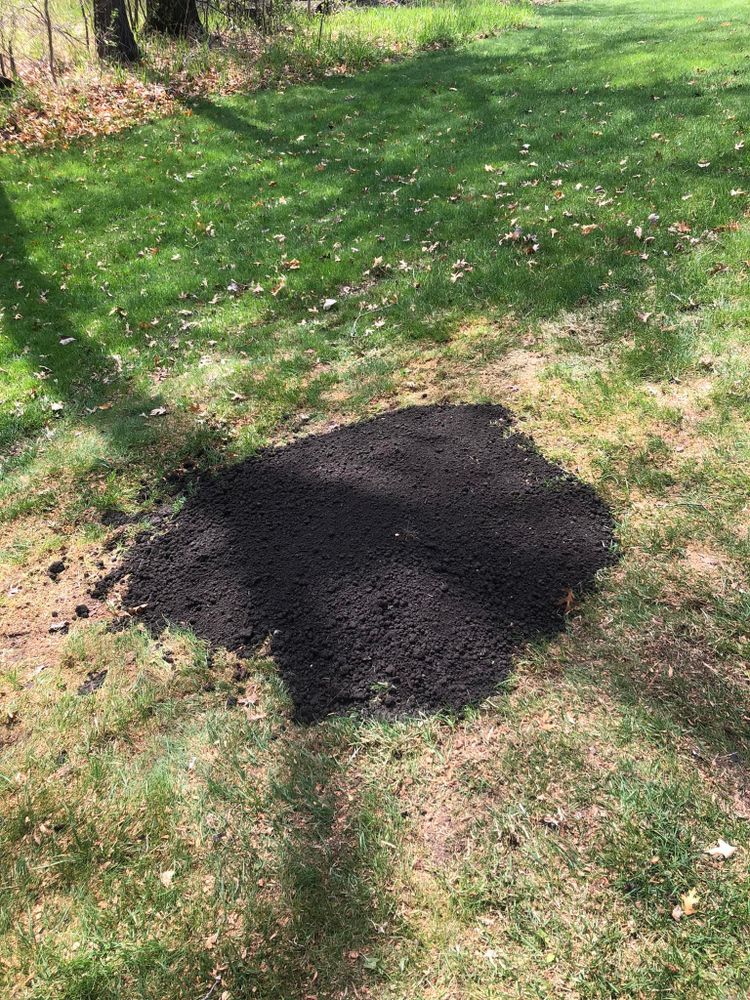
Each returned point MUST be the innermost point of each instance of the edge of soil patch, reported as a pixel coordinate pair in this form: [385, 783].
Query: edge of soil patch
[396, 565]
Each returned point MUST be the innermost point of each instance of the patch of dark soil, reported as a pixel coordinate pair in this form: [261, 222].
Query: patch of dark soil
[396, 564]
[113, 518]
[113, 541]
[94, 680]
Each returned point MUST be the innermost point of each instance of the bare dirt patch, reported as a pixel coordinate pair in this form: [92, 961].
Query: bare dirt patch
[517, 372]
[397, 564]
[706, 561]
[45, 600]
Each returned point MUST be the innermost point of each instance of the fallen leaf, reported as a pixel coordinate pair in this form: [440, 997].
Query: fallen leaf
[721, 850]
[166, 877]
[329, 304]
[567, 601]
[689, 902]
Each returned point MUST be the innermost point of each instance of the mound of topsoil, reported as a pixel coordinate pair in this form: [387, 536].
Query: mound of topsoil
[396, 564]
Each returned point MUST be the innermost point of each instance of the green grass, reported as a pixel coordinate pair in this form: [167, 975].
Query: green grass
[148, 231]
[356, 38]
[537, 845]
[88, 98]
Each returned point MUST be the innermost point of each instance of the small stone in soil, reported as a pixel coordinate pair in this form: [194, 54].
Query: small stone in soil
[59, 628]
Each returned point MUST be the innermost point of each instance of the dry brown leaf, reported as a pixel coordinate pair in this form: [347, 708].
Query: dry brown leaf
[690, 902]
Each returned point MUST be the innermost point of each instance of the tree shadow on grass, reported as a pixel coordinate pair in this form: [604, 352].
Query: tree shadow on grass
[71, 369]
[386, 163]
[74, 375]
[284, 874]
[491, 123]
[322, 905]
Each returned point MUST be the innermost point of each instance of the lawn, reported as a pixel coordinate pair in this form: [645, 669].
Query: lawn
[555, 219]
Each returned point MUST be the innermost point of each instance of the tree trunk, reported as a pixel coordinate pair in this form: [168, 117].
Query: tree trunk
[114, 36]
[174, 17]
[50, 48]
[84, 15]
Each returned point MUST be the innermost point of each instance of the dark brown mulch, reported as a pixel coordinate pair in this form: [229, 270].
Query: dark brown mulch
[396, 564]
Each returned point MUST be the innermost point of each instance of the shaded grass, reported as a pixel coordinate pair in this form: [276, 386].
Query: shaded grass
[288, 857]
[132, 244]
[88, 99]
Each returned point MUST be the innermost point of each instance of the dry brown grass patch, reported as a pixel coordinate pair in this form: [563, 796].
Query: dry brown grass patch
[705, 560]
[587, 327]
[436, 802]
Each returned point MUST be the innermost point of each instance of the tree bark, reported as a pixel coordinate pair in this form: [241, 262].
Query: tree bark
[50, 48]
[84, 15]
[174, 17]
[114, 36]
